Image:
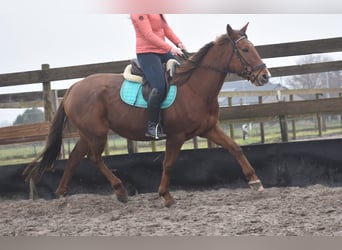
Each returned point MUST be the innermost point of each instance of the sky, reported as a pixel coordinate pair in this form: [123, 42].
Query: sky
[75, 32]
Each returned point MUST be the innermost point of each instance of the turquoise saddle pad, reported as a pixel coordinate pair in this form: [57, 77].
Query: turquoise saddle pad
[131, 93]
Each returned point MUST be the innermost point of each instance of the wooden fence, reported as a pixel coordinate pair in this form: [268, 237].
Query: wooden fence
[47, 98]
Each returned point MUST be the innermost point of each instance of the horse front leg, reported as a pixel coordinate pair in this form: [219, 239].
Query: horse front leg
[218, 136]
[173, 146]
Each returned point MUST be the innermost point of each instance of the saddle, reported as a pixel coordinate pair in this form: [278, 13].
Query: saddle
[134, 73]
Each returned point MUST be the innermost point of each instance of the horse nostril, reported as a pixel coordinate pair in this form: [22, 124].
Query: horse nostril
[265, 78]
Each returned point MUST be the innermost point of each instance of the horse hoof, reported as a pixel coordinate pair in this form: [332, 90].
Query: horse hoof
[60, 194]
[169, 202]
[122, 196]
[256, 185]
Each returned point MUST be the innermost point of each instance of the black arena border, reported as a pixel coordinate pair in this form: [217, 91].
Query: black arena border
[280, 164]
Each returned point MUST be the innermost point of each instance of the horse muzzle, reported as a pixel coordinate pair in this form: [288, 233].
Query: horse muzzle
[261, 78]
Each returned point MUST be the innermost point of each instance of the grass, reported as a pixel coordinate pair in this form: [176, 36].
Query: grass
[23, 153]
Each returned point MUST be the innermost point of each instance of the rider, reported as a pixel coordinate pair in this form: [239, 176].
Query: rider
[152, 51]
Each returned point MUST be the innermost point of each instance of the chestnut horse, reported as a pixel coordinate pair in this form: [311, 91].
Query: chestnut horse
[94, 106]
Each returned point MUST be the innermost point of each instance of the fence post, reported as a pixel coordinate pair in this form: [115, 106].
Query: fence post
[293, 123]
[283, 128]
[54, 101]
[195, 142]
[106, 149]
[231, 127]
[132, 147]
[211, 144]
[262, 130]
[47, 99]
[153, 146]
[319, 119]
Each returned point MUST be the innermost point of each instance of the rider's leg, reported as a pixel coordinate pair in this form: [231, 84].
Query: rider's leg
[151, 64]
[154, 129]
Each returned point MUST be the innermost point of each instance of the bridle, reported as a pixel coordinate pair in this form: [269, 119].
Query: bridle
[248, 70]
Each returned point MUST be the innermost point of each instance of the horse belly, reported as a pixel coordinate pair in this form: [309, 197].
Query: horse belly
[127, 121]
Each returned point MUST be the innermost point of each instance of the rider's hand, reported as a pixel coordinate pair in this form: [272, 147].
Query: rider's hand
[176, 51]
[181, 46]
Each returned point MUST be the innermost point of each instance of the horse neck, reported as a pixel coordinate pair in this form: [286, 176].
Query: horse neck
[210, 74]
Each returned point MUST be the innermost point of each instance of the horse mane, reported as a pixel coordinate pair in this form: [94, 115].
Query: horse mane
[184, 71]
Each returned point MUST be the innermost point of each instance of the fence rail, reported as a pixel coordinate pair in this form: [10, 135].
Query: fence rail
[251, 112]
[265, 51]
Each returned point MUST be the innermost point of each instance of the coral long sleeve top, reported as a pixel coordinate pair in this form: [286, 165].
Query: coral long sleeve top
[151, 31]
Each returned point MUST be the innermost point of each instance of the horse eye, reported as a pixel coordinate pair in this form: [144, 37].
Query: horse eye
[245, 49]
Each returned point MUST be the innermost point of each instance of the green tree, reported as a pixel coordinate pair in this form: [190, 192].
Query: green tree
[32, 115]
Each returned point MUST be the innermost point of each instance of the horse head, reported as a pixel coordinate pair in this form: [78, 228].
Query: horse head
[247, 63]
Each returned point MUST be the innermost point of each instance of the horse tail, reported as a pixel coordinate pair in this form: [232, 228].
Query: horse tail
[47, 159]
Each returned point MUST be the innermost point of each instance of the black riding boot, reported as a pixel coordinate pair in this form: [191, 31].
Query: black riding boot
[154, 128]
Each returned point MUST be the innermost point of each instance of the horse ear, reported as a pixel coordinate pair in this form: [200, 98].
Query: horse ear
[244, 28]
[229, 30]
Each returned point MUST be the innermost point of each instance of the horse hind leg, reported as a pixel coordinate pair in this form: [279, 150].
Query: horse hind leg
[96, 146]
[75, 158]
[218, 136]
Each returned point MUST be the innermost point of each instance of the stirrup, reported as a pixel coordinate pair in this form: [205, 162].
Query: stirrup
[158, 135]
[159, 132]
